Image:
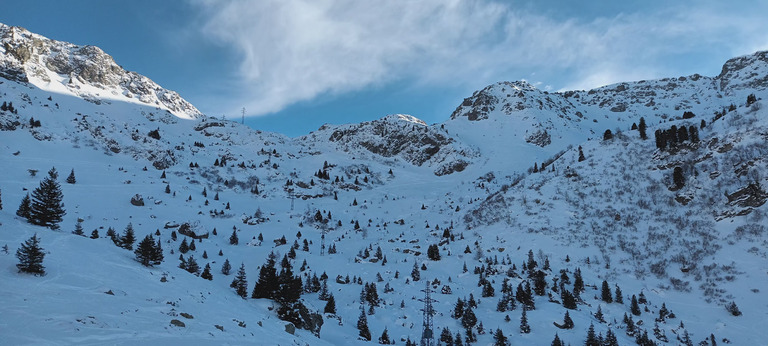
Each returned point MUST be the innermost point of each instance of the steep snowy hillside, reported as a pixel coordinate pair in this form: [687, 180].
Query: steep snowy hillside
[638, 243]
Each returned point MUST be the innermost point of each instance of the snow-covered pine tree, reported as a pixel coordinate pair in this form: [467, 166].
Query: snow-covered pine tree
[30, 256]
[47, 208]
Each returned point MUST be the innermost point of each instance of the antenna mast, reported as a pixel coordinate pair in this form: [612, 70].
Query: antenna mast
[243, 115]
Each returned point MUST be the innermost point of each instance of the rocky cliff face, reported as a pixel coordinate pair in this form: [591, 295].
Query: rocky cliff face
[82, 70]
[400, 136]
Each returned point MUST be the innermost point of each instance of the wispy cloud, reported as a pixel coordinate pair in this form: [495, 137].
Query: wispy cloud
[296, 50]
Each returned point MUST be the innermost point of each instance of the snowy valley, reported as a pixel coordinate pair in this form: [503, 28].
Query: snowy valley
[518, 212]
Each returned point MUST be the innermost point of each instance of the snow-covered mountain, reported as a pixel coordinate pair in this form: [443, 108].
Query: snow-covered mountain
[370, 203]
[83, 71]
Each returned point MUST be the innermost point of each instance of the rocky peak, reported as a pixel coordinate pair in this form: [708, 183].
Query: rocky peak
[31, 58]
[749, 71]
[509, 97]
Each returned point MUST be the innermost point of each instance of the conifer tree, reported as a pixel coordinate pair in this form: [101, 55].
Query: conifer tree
[524, 327]
[330, 305]
[184, 247]
[634, 307]
[71, 178]
[606, 294]
[267, 286]
[24, 207]
[499, 339]
[47, 208]
[415, 273]
[384, 338]
[30, 256]
[233, 240]
[128, 237]
[240, 283]
[95, 234]
[557, 341]
[581, 155]
[207, 272]
[157, 253]
[79, 227]
[362, 325]
[591, 337]
[192, 265]
[641, 128]
[567, 321]
[446, 338]
[226, 268]
[618, 296]
[145, 251]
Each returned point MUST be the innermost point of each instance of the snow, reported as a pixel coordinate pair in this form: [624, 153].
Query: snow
[615, 220]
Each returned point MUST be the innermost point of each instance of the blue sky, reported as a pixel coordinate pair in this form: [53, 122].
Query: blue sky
[297, 64]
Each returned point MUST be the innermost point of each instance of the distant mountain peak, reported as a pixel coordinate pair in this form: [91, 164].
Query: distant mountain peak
[84, 71]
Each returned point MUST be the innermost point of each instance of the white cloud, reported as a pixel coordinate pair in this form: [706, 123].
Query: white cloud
[295, 50]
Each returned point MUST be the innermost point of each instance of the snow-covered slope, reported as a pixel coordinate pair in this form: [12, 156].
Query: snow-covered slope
[386, 192]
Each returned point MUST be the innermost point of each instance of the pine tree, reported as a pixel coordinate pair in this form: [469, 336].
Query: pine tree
[581, 155]
[71, 178]
[240, 283]
[226, 268]
[641, 128]
[184, 247]
[79, 228]
[524, 327]
[267, 286]
[95, 234]
[362, 325]
[567, 321]
[415, 274]
[289, 287]
[384, 338]
[30, 256]
[618, 296]
[446, 338]
[591, 337]
[499, 339]
[192, 265]
[634, 307]
[128, 238]
[47, 208]
[145, 251]
[557, 341]
[157, 253]
[678, 178]
[330, 305]
[606, 294]
[233, 240]
[207, 272]
[24, 207]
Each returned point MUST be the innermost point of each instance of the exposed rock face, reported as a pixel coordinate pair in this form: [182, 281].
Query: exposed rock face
[402, 136]
[748, 71]
[26, 57]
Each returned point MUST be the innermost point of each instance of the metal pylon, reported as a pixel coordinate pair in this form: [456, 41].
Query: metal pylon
[427, 333]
